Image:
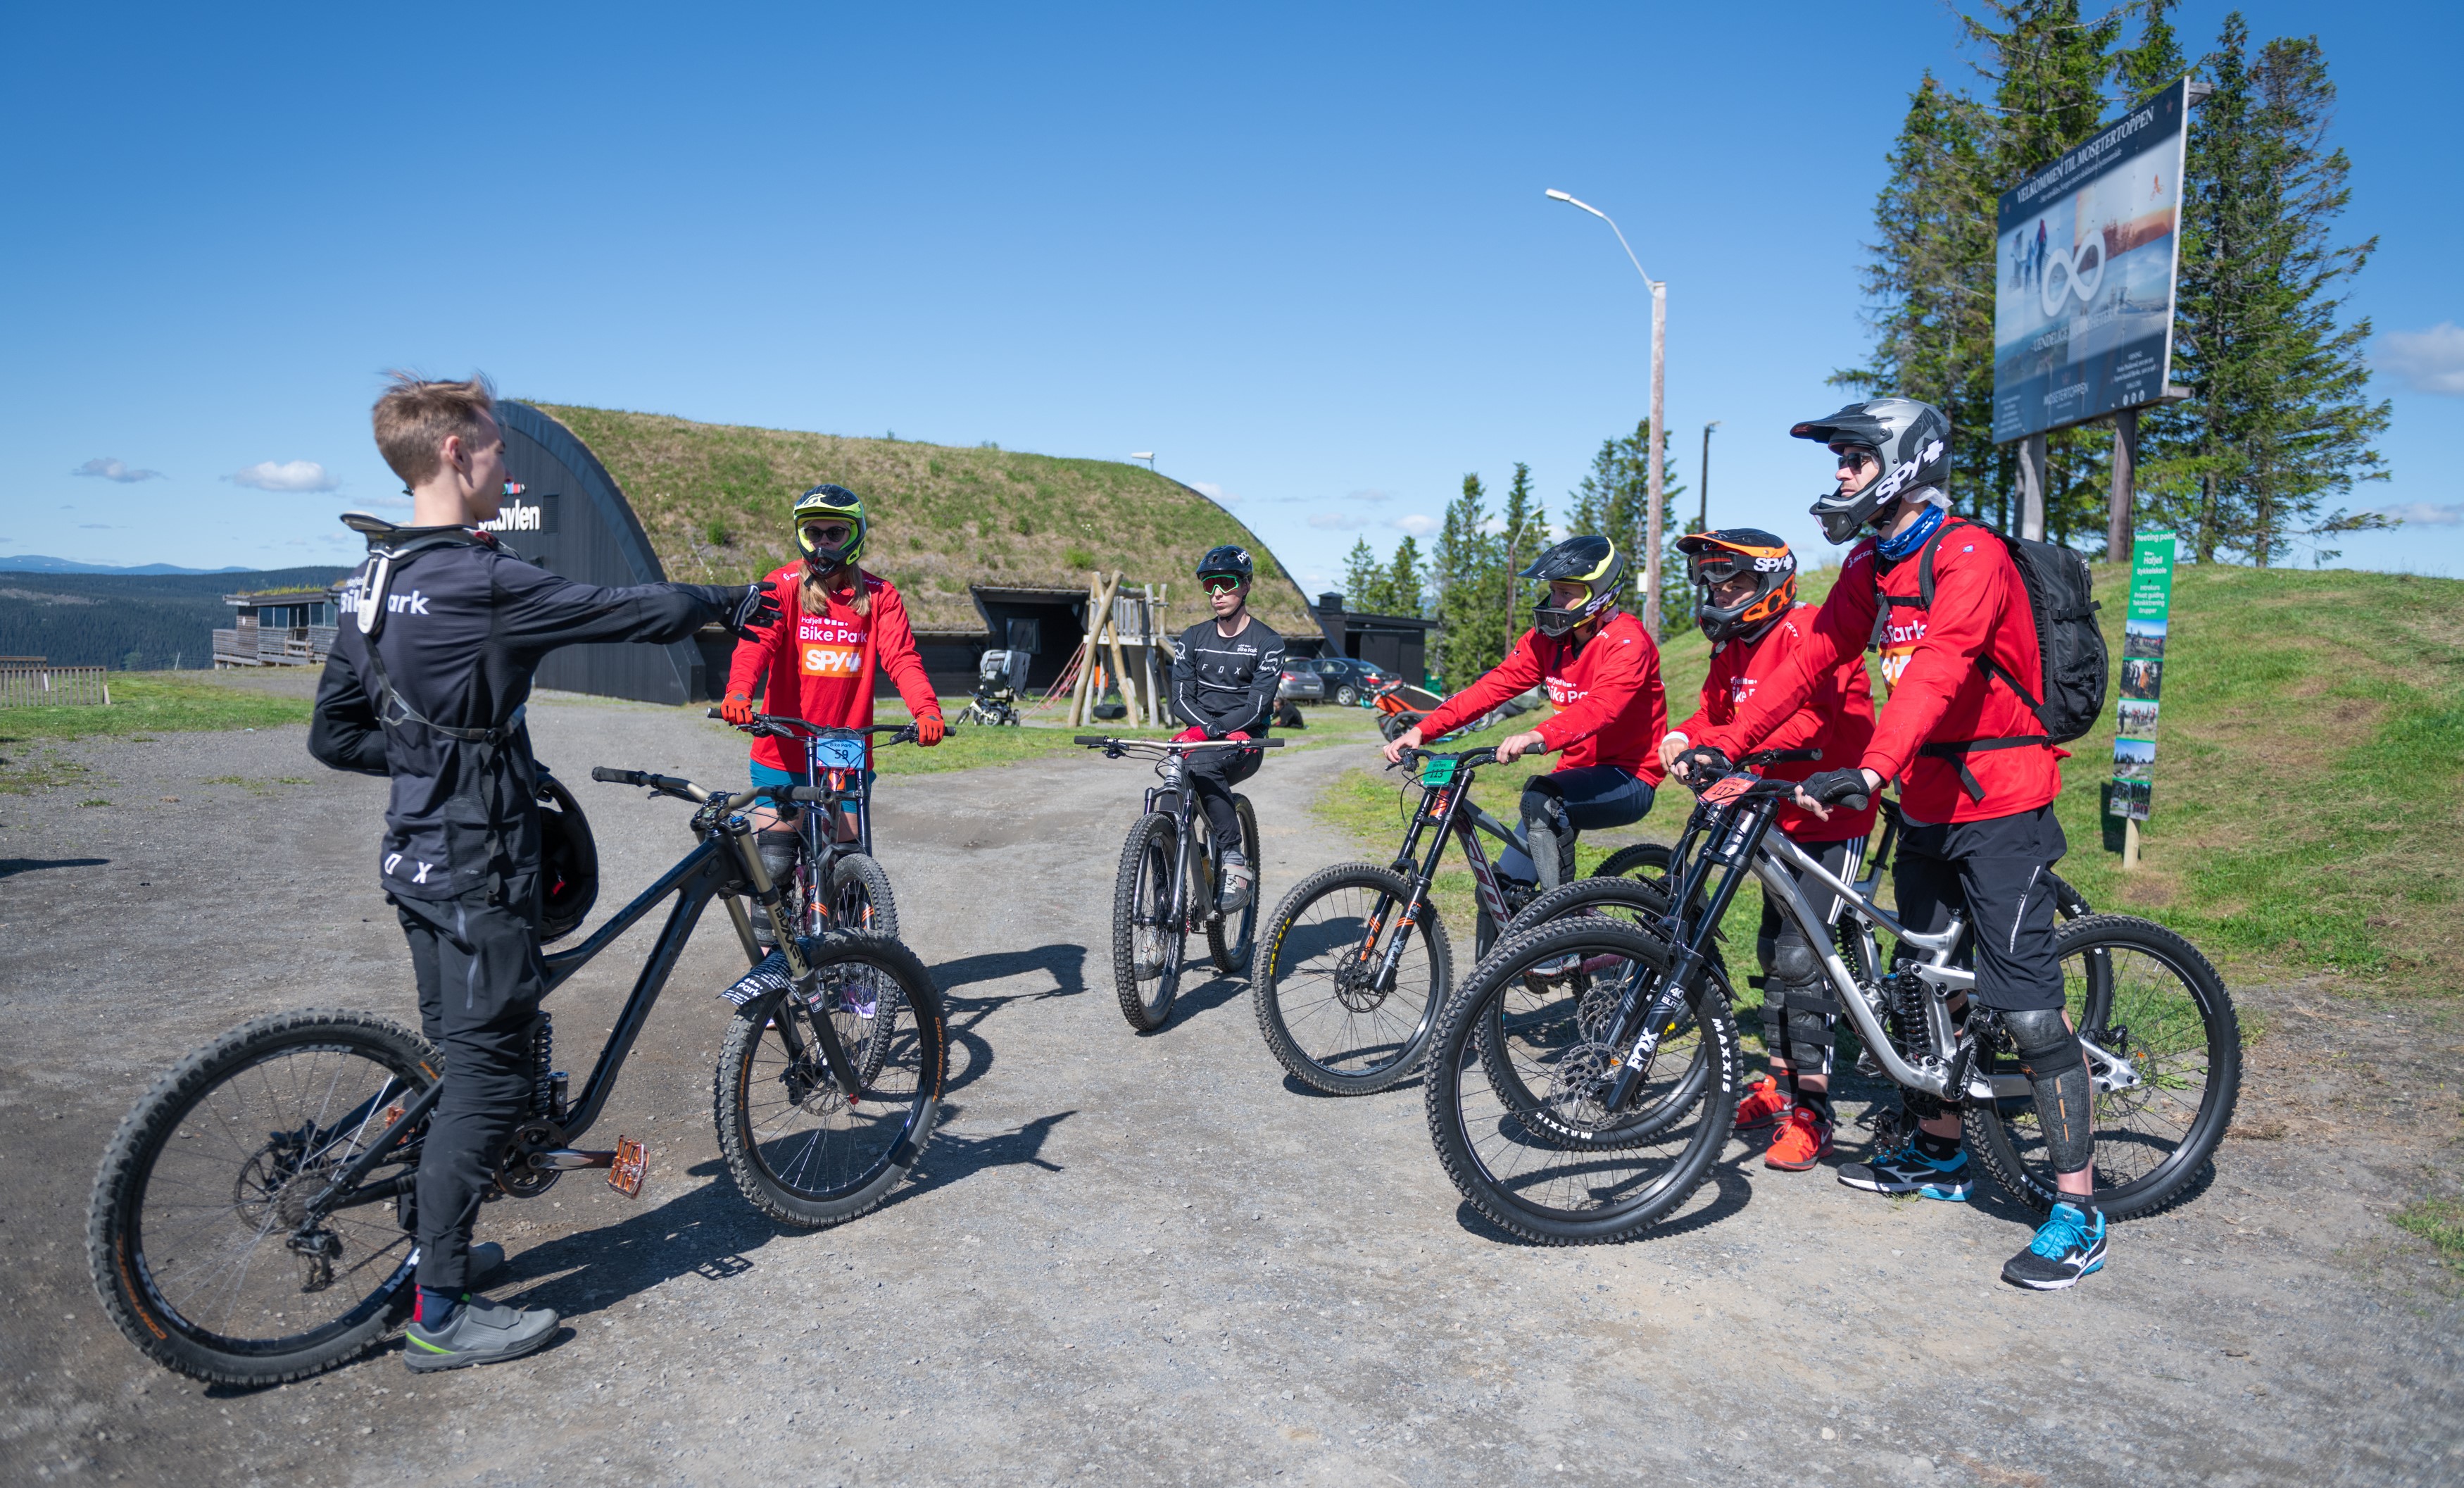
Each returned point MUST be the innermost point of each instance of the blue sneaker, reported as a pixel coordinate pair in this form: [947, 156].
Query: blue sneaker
[1904, 1169]
[2066, 1248]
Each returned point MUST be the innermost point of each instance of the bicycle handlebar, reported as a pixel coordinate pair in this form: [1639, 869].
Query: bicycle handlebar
[665, 784]
[1780, 756]
[1474, 758]
[1098, 742]
[782, 726]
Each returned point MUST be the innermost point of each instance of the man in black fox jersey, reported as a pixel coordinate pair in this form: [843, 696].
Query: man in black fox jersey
[1224, 673]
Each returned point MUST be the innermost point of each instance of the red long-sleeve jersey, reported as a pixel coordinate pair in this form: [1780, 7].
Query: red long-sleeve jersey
[1836, 718]
[1938, 693]
[1610, 708]
[819, 666]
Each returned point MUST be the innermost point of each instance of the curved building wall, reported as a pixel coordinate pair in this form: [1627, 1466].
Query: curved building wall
[572, 518]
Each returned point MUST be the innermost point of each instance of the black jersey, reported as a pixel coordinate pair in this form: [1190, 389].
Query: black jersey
[466, 624]
[1226, 684]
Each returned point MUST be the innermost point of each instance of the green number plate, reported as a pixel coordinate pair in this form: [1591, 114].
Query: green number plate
[1438, 773]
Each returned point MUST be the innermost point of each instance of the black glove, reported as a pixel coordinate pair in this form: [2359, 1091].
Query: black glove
[1701, 763]
[1838, 787]
[757, 609]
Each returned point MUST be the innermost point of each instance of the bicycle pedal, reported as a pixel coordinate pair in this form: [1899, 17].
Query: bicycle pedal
[625, 1175]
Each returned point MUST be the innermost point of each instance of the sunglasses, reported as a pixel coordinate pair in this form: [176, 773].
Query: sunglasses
[829, 534]
[1854, 459]
[1221, 583]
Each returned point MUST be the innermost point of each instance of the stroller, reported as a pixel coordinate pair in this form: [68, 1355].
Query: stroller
[1000, 681]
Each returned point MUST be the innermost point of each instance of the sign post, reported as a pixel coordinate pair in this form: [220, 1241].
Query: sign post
[2143, 628]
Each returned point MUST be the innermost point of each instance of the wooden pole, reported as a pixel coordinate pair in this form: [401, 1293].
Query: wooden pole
[1098, 609]
[2126, 462]
[2130, 844]
[2031, 488]
[1120, 664]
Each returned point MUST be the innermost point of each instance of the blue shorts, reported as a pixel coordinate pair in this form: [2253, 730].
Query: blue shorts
[771, 775]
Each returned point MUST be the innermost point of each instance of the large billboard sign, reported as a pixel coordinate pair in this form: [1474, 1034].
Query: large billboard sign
[2083, 275]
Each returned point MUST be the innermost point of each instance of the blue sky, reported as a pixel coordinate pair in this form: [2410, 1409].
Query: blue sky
[1301, 254]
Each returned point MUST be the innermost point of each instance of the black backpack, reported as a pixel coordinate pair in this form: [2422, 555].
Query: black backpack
[2068, 698]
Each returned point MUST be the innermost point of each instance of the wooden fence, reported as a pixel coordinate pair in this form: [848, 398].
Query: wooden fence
[49, 686]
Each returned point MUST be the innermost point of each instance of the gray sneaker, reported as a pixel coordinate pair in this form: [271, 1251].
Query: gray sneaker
[481, 1332]
[1239, 883]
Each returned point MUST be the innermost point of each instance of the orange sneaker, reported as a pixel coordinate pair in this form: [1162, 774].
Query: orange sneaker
[1804, 1140]
[1762, 1105]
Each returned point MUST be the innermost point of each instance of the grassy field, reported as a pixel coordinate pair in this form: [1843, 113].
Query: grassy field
[714, 499]
[2306, 816]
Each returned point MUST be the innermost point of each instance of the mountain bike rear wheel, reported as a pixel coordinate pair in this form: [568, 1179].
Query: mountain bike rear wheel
[1148, 944]
[1539, 1154]
[2143, 993]
[197, 1235]
[1314, 991]
[1232, 939]
[798, 1147]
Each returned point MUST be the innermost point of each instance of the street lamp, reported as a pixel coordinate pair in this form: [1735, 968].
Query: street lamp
[1703, 521]
[1658, 363]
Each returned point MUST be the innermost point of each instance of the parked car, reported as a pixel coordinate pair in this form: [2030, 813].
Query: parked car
[1301, 682]
[1349, 679]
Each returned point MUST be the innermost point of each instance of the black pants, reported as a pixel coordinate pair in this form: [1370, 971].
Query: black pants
[1563, 803]
[480, 981]
[1992, 874]
[1212, 774]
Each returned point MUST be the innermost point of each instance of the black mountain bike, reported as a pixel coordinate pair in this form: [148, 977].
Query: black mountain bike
[1171, 882]
[1585, 1077]
[838, 884]
[252, 1221]
[1356, 961]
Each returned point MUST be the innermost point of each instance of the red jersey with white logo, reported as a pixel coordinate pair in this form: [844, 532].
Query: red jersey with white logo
[1836, 718]
[1938, 693]
[817, 665]
[1610, 709]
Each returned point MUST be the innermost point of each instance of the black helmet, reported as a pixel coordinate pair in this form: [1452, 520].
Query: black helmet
[1911, 439]
[1591, 561]
[1718, 556]
[1226, 559]
[827, 502]
[568, 861]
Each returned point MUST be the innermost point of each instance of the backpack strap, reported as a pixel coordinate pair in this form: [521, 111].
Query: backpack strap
[1957, 752]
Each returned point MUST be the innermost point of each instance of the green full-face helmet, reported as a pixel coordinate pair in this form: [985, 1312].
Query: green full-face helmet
[821, 508]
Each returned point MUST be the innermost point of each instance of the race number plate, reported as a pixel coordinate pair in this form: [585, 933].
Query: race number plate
[624, 1175]
[1438, 773]
[1726, 790]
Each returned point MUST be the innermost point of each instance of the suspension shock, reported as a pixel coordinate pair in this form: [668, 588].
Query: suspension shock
[548, 1084]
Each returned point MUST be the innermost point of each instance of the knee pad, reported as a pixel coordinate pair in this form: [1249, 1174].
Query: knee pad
[1550, 837]
[1811, 1036]
[2056, 1069]
[1795, 964]
[778, 849]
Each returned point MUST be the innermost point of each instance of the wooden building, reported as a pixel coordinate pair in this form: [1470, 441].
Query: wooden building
[277, 628]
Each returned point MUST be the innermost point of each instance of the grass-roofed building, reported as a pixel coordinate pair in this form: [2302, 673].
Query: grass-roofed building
[976, 539]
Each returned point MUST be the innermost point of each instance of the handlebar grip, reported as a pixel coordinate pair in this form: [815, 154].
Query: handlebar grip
[714, 714]
[608, 776]
[808, 795]
[1854, 803]
[1269, 744]
[1090, 739]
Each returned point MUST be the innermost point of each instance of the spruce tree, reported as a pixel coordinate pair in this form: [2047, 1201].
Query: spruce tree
[1400, 593]
[1467, 559]
[1523, 531]
[1363, 577]
[1613, 502]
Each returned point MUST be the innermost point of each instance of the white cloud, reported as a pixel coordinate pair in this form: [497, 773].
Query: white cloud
[2432, 361]
[1416, 524]
[1325, 520]
[1371, 495]
[2423, 514]
[1214, 493]
[109, 469]
[284, 476]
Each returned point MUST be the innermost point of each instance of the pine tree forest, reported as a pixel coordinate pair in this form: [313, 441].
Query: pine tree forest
[2279, 423]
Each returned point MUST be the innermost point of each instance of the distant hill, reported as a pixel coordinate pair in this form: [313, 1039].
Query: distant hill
[714, 498]
[129, 621]
[36, 562]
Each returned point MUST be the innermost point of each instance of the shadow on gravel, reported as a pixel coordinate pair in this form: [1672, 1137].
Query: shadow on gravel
[706, 1233]
[10, 867]
[1733, 1190]
[951, 1157]
[1066, 965]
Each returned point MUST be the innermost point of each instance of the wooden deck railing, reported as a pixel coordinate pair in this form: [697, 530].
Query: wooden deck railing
[35, 687]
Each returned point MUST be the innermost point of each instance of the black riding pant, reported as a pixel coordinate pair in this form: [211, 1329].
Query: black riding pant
[1564, 803]
[480, 980]
[1212, 774]
[1993, 874]
[1800, 1014]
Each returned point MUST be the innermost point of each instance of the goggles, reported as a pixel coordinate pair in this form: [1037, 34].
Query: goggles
[828, 534]
[1221, 583]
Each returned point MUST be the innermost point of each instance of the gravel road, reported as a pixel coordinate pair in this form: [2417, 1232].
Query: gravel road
[1151, 1259]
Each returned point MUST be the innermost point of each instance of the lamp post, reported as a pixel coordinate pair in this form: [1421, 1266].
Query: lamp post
[1702, 517]
[1652, 475]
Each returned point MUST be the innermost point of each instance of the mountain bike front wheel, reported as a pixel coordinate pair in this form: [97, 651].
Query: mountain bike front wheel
[1324, 1014]
[1232, 939]
[198, 1235]
[1520, 1078]
[1149, 941]
[2146, 997]
[801, 1149]
[859, 897]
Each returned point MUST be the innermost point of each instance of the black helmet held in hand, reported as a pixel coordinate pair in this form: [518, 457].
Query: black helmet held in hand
[1226, 559]
[1716, 557]
[1591, 561]
[1912, 441]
